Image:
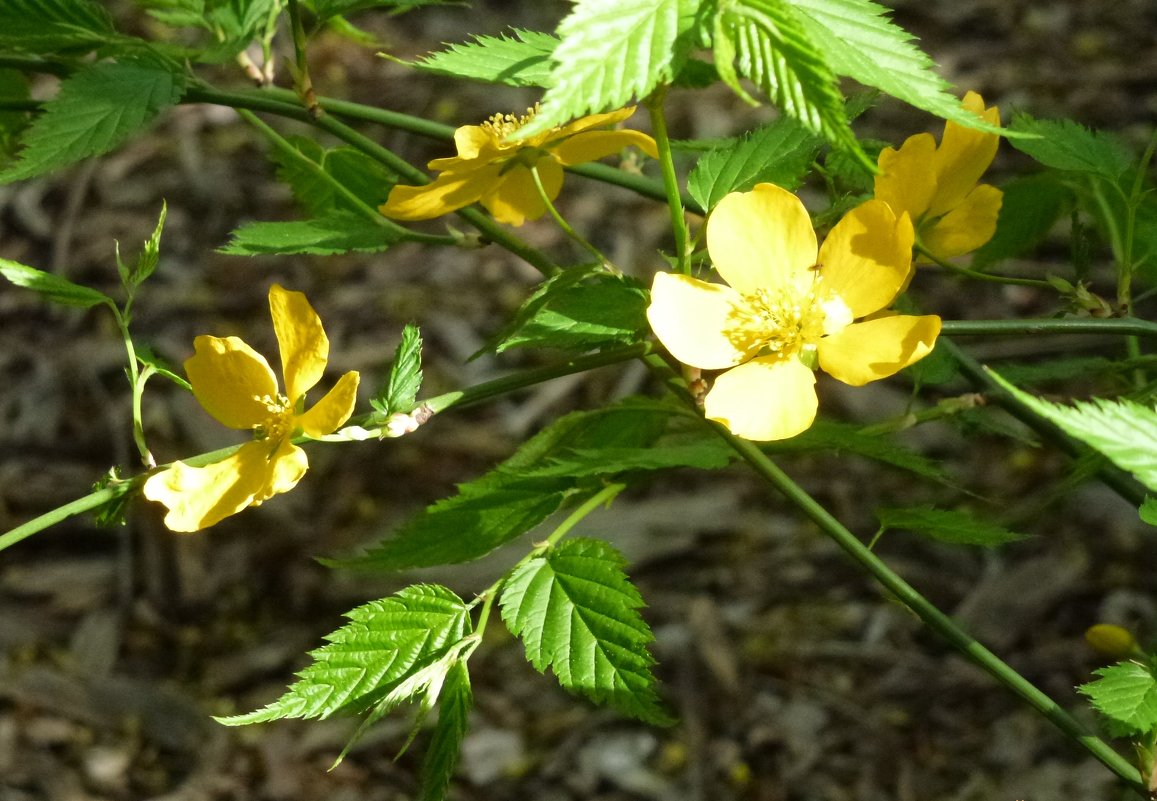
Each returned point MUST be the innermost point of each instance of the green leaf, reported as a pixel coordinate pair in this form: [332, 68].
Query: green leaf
[44, 26]
[707, 454]
[150, 255]
[339, 232]
[1126, 694]
[1124, 431]
[385, 643]
[1148, 510]
[364, 177]
[769, 44]
[177, 13]
[779, 153]
[96, 110]
[825, 435]
[510, 500]
[401, 389]
[465, 527]
[957, 528]
[454, 705]
[577, 613]
[611, 51]
[1067, 145]
[860, 42]
[522, 61]
[53, 287]
[605, 310]
[1029, 210]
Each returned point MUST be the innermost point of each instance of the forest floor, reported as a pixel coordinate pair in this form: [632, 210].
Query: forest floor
[794, 676]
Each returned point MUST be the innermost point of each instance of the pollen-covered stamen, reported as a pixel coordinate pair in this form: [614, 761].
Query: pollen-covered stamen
[782, 321]
[501, 126]
[280, 420]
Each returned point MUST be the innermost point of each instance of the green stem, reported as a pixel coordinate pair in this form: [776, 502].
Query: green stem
[1113, 326]
[315, 169]
[562, 223]
[979, 276]
[927, 612]
[94, 500]
[654, 105]
[302, 80]
[1112, 477]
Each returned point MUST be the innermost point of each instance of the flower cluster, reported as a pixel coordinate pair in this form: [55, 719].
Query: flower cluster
[491, 170]
[235, 384]
[937, 185]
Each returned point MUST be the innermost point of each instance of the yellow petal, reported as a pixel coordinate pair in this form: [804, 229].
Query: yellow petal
[907, 181]
[514, 198]
[764, 399]
[304, 345]
[199, 497]
[595, 145]
[762, 239]
[281, 469]
[876, 349]
[963, 156]
[867, 257]
[696, 321]
[449, 192]
[229, 379]
[966, 227]
[592, 121]
[333, 409]
[473, 141]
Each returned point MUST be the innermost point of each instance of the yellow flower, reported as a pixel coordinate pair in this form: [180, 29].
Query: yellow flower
[495, 172]
[788, 308]
[937, 186]
[235, 384]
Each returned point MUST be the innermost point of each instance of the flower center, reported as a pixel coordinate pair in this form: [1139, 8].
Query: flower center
[782, 321]
[279, 424]
[501, 126]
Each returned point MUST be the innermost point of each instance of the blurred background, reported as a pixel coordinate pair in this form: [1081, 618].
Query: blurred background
[794, 676]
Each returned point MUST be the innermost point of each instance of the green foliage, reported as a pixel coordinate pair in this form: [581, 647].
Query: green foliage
[454, 705]
[337, 232]
[13, 87]
[350, 168]
[512, 499]
[768, 44]
[1029, 210]
[386, 643]
[132, 277]
[96, 110]
[957, 528]
[779, 153]
[53, 287]
[521, 61]
[578, 310]
[577, 613]
[1126, 694]
[610, 51]
[45, 26]
[1148, 510]
[405, 379]
[858, 41]
[1124, 431]
[827, 435]
[1067, 145]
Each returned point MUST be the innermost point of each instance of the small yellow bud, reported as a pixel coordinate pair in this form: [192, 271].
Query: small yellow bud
[1110, 640]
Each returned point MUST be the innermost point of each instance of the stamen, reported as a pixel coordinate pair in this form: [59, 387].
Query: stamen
[277, 425]
[501, 126]
[780, 322]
